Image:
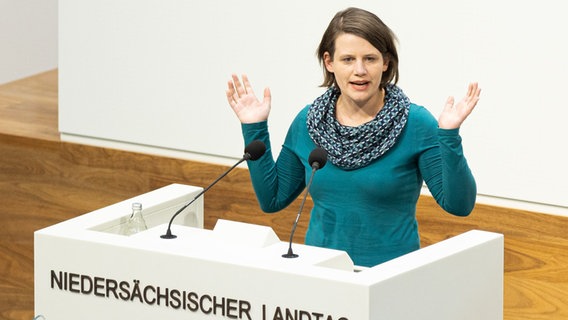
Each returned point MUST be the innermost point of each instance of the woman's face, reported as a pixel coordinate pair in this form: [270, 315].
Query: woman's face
[358, 68]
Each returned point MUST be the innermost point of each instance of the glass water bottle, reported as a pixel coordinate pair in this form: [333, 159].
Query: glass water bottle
[136, 221]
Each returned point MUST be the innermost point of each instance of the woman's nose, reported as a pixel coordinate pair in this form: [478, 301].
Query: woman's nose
[360, 68]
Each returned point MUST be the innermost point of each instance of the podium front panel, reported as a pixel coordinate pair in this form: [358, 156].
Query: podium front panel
[84, 268]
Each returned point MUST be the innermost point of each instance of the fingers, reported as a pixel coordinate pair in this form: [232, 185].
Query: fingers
[267, 95]
[246, 85]
[236, 89]
[449, 103]
[469, 101]
[230, 94]
[472, 96]
[454, 114]
[241, 88]
[473, 91]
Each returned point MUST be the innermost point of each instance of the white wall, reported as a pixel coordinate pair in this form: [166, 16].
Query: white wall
[151, 74]
[28, 38]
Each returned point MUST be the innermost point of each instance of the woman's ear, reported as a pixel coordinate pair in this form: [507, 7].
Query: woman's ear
[385, 64]
[328, 61]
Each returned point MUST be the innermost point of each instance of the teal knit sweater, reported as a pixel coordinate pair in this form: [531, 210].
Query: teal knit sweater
[369, 212]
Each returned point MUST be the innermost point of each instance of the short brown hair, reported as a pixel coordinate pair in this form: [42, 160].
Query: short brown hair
[368, 26]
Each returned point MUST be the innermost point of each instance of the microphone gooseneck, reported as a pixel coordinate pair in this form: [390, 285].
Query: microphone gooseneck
[317, 160]
[253, 151]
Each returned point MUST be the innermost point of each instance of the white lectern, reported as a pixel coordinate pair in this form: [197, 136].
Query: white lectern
[85, 269]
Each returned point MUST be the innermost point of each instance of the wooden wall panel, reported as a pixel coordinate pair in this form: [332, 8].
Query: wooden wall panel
[46, 182]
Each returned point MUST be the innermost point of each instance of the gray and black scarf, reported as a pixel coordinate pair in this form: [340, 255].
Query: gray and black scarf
[355, 147]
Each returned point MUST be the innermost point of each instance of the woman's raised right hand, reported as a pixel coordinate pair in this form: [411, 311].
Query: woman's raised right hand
[244, 102]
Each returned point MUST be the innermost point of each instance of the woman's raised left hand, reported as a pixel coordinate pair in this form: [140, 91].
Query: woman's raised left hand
[453, 116]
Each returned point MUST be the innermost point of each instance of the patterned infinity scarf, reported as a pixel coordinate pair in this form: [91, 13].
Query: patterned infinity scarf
[355, 147]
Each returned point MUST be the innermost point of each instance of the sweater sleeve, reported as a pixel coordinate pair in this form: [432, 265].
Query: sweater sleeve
[447, 174]
[276, 183]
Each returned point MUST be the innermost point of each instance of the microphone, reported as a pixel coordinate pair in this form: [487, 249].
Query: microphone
[317, 160]
[253, 151]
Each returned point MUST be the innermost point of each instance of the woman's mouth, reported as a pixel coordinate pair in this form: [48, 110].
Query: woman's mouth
[359, 85]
